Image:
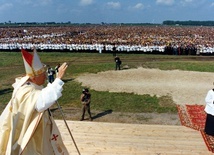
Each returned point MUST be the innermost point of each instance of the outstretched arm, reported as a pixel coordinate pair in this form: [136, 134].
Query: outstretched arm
[50, 94]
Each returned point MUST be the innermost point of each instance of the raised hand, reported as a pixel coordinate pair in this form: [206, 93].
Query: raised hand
[62, 70]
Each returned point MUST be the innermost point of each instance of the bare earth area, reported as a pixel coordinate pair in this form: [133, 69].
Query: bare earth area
[185, 87]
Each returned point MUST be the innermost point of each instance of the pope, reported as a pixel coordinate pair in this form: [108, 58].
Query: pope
[27, 126]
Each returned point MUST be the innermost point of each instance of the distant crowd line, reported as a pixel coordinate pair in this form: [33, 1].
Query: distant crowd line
[175, 40]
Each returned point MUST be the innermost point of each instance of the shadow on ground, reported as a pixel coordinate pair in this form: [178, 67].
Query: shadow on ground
[67, 80]
[102, 114]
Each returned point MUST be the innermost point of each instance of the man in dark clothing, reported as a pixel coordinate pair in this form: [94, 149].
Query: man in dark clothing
[50, 73]
[118, 63]
[85, 98]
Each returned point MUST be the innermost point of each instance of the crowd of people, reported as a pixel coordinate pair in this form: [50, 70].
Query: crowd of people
[177, 40]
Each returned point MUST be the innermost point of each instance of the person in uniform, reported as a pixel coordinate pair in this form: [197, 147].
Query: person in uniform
[85, 99]
[209, 109]
[27, 126]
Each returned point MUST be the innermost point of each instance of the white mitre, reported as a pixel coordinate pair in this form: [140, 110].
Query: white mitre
[33, 65]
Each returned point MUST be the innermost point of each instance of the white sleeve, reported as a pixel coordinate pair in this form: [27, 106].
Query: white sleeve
[209, 98]
[49, 95]
[209, 108]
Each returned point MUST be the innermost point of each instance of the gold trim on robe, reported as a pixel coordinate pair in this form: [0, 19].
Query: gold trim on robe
[25, 131]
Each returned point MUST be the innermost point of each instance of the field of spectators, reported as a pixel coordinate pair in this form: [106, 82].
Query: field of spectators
[173, 40]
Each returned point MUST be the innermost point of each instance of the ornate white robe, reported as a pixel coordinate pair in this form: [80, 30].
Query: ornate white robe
[26, 131]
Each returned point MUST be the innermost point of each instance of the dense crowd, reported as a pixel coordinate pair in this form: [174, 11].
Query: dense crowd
[178, 40]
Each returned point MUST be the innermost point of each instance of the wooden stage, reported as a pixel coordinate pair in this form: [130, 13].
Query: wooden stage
[96, 138]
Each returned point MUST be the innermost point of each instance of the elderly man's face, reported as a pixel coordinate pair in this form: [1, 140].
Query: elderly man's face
[39, 79]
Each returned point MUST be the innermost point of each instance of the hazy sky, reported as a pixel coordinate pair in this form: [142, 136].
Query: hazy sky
[108, 11]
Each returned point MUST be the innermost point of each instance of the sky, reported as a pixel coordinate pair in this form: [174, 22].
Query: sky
[105, 11]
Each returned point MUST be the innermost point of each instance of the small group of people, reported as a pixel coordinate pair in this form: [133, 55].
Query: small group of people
[27, 125]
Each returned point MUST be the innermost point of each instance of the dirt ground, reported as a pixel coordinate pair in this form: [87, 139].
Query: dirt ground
[185, 87]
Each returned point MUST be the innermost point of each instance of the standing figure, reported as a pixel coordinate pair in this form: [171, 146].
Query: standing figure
[85, 99]
[117, 63]
[27, 126]
[50, 73]
[209, 109]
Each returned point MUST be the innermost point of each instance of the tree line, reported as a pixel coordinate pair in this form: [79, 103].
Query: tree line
[189, 23]
[167, 22]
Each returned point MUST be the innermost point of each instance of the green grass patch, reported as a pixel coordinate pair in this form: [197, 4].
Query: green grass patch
[11, 66]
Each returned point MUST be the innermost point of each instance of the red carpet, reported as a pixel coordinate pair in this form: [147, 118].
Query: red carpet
[193, 116]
